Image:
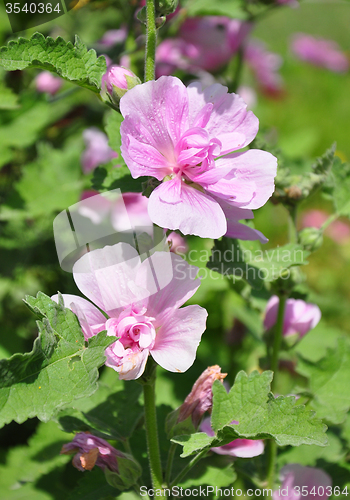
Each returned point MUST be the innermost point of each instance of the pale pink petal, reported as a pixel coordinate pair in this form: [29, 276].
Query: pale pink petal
[242, 448]
[144, 159]
[104, 275]
[295, 475]
[271, 312]
[196, 213]
[133, 365]
[181, 286]
[230, 122]
[253, 168]
[91, 319]
[177, 341]
[158, 112]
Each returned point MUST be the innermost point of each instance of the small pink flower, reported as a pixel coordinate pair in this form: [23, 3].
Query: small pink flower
[186, 137]
[91, 450]
[241, 448]
[320, 52]
[47, 82]
[299, 318]
[265, 66]
[97, 150]
[200, 399]
[141, 301]
[303, 482]
[205, 43]
[112, 37]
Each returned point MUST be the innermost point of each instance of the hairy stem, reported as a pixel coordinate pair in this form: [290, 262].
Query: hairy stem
[277, 340]
[293, 233]
[169, 464]
[152, 431]
[151, 40]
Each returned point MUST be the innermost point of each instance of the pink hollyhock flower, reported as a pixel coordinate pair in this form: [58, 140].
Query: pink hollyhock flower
[141, 301]
[299, 318]
[90, 451]
[112, 37]
[47, 82]
[205, 43]
[320, 52]
[200, 399]
[97, 150]
[186, 137]
[317, 484]
[338, 231]
[265, 66]
[241, 448]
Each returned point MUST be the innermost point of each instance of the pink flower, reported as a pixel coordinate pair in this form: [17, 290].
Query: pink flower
[320, 52]
[338, 231]
[205, 43]
[303, 482]
[177, 135]
[241, 448]
[141, 301]
[90, 451]
[97, 150]
[116, 82]
[112, 37]
[200, 399]
[265, 66]
[47, 82]
[299, 318]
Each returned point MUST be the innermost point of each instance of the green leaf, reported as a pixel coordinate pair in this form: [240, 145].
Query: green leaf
[329, 382]
[341, 186]
[8, 99]
[230, 8]
[59, 369]
[246, 259]
[260, 416]
[113, 122]
[113, 177]
[93, 486]
[72, 62]
[211, 472]
[26, 464]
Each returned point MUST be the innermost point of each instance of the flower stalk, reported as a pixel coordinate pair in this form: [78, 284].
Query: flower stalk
[151, 41]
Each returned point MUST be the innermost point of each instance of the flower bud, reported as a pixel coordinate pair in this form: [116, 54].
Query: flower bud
[199, 400]
[47, 82]
[116, 82]
[311, 238]
[165, 7]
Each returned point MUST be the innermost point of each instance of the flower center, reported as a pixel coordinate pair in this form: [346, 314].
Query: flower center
[135, 331]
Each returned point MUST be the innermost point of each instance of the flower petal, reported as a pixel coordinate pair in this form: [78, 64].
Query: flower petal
[253, 169]
[104, 275]
[177, 341]
[133, 365]
[230, 122]
[196, 213]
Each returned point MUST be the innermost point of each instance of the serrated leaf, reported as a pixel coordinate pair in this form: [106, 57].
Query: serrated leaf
[246, 259]
[341, 186]
[113, 122]
[329, 382]
[72, 62]
[259, 414]
[59, 369]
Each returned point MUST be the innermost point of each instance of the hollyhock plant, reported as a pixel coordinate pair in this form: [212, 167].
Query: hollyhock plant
[187, 138]
[141, 301]
[91, 450]
[303, 482]
[240, 448]
[265, 66]
[205, 43]
[320, 52]
[299, 318]
[97, 150]
[47, 82]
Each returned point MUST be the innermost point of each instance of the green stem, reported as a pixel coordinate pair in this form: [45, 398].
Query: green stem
[152, 433]
[293, 232]
[188, 467]
[170, 461]
[277, 340]
[329, 221]
[271, 463]
[151, 40]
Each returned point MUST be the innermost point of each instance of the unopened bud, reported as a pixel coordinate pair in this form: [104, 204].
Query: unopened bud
[311, 238]
[116, 82]
[166, 7]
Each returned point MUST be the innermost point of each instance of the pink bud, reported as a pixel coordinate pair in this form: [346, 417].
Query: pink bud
[116, 82]
[299, 317]
[90, 451]
[200, 399]
[47, 82]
